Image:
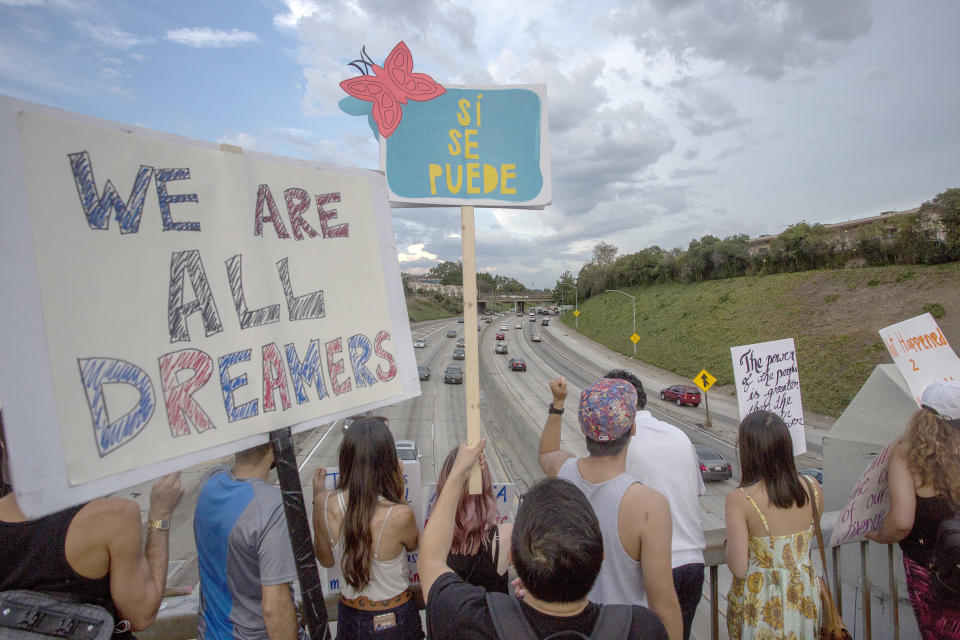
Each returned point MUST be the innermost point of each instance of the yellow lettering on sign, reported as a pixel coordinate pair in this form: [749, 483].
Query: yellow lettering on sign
[435, 171]
[490, 178]
[469, 144]
[464, 116]
[456, 188]
[507, 172]
[454, 148]
[473, 173]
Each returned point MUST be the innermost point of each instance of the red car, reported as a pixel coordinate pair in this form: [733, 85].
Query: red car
[501, 335]
[517, 364]
[681, 394]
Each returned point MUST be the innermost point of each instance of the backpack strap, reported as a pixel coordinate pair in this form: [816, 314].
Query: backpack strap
[508, 619]
[614, 622]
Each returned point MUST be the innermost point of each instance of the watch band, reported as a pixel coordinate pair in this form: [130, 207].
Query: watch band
[553, 409]
[159, 525]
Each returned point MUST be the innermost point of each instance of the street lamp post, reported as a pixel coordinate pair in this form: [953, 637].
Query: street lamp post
[634, 299]
[576, 305]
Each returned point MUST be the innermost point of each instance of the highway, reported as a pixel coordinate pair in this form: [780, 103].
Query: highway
[513, 407]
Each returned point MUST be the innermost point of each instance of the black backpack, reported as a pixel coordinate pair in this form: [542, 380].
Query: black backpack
[945, 564]
[509, 622]
[33, 615]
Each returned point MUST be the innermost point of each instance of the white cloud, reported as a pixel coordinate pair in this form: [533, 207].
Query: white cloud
[416, 252]
[203, 37]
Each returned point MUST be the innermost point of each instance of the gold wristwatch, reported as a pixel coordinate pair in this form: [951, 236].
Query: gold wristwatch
[160, 525]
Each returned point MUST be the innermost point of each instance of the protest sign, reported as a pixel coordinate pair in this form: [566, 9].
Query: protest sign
[868, 504]
[921, 353]
[167, 301]
[766, 378]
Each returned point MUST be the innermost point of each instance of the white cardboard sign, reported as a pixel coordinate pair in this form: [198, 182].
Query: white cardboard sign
[166, 302]
[868, 504]
[766, 378]
[921, 353]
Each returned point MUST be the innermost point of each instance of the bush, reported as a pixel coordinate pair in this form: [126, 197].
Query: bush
[935, 309]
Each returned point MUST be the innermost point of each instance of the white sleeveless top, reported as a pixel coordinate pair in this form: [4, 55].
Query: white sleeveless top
[387, 578]
[620, 580]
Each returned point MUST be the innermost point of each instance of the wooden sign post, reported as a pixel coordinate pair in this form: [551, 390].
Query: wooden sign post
[471, 324]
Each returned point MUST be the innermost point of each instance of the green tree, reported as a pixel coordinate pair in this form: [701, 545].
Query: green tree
[447, 273]
[946, 207]
[604, 254]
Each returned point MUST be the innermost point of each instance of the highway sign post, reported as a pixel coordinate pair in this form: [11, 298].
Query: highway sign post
[705, 380]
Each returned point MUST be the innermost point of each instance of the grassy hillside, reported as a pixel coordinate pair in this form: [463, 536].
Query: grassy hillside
[833, 316]
[424, 308]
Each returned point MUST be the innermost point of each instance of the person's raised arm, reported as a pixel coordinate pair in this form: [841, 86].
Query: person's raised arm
[551, 456]
[138, 576]
[279, 612]
[903, 501]
[656, 530]
[438, 532]
[321, 537]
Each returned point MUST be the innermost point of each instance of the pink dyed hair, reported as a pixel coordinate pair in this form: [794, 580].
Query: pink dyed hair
[475, 513]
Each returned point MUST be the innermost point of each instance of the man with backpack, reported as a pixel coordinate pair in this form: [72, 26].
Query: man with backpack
[557, 549]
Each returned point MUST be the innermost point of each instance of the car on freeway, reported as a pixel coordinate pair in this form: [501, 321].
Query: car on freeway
[451, 333]
[545, 322]
[681, 394]
[419, 343]
[460, 320]
[459, 354]
[713, 466]
[816, 474]
[453, 374]
[501, 335]
[462, 342]
[424, 371]
[535, 337]
[519, 326]
[503, 327]
[518, 364]
[488, 320]
[533, 318]
[501, 347]
[407, 450]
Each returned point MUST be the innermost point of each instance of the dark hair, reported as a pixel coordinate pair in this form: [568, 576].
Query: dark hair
[557, 545]
[608, 448]
[369, 468]
[5, 486]
[621, 374]
[253, 455]
[766, 455]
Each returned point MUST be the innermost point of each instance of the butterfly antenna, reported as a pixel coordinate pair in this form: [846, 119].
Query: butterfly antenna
[363, 63]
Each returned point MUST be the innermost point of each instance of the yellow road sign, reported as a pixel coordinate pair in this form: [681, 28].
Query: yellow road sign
[576, 312]
[704, 380]
[634, 338]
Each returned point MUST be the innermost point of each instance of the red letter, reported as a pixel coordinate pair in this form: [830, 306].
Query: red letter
[335, 367]
[178, 396]
[297, 202]
[264, 195]
[274, 377]
[337, 230]
[383, 353]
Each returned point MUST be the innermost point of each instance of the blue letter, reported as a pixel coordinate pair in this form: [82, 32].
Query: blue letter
[97, 208]
[96, 372]
[229, 385]
[360, 349]
[164, 176]
[308, 371]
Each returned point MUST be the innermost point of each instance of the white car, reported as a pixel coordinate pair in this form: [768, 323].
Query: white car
[419, 343]
[519, 326]
[535, 337]
[503, 327]
[408, 450]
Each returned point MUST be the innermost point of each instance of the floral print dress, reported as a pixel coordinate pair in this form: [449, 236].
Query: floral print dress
[779, 597]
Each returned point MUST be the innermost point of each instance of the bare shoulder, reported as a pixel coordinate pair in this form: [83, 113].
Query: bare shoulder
[107, 513]
[643, 498]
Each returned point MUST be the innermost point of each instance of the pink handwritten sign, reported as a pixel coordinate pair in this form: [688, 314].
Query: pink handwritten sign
[868, 503]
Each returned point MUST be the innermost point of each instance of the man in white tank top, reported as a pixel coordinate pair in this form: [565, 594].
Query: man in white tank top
[634, 519]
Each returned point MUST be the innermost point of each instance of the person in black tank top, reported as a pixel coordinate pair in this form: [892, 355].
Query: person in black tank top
[477, 554]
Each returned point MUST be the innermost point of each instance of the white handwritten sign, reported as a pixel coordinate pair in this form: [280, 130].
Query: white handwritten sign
[166, 302]
[921, 353]
[868, 504]
[767, 379]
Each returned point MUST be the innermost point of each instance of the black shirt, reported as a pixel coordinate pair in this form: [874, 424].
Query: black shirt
[481, 568]
[458, 611]
[930, 512]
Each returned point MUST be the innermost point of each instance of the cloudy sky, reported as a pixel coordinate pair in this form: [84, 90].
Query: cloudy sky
[669, 119]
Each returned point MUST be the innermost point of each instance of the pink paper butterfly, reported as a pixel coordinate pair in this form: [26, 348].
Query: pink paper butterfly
[391, 86]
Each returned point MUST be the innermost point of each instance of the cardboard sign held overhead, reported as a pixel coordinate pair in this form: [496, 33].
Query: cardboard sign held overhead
[167, 302]
[921, 353]
[766, 378]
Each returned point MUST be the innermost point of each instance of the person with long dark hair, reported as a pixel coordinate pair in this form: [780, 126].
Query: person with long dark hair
[480, 552]
[366, 527]
[774, 593]
[924, 477]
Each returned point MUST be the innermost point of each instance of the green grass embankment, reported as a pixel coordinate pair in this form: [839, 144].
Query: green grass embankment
[833, 317]
[428, 308]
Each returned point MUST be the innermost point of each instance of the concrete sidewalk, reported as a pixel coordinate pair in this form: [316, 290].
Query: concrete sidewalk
[722, 400]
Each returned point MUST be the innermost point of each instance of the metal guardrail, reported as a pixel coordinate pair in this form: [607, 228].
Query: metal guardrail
[177, 619]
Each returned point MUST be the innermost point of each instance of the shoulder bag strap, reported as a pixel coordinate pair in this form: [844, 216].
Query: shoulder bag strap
[613, 623]
[508, 619]
[816, 524]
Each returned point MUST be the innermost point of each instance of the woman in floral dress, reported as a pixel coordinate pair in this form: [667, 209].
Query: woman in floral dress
[775, 594]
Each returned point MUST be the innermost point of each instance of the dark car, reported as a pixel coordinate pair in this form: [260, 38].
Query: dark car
[424, 371]
[451, 333]
[713, 466]
[545, 322]
[460, 320]
[518, 364]
[459, 354]
[501, 347]
[501, 335]
[681, 394]
[453, 374]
